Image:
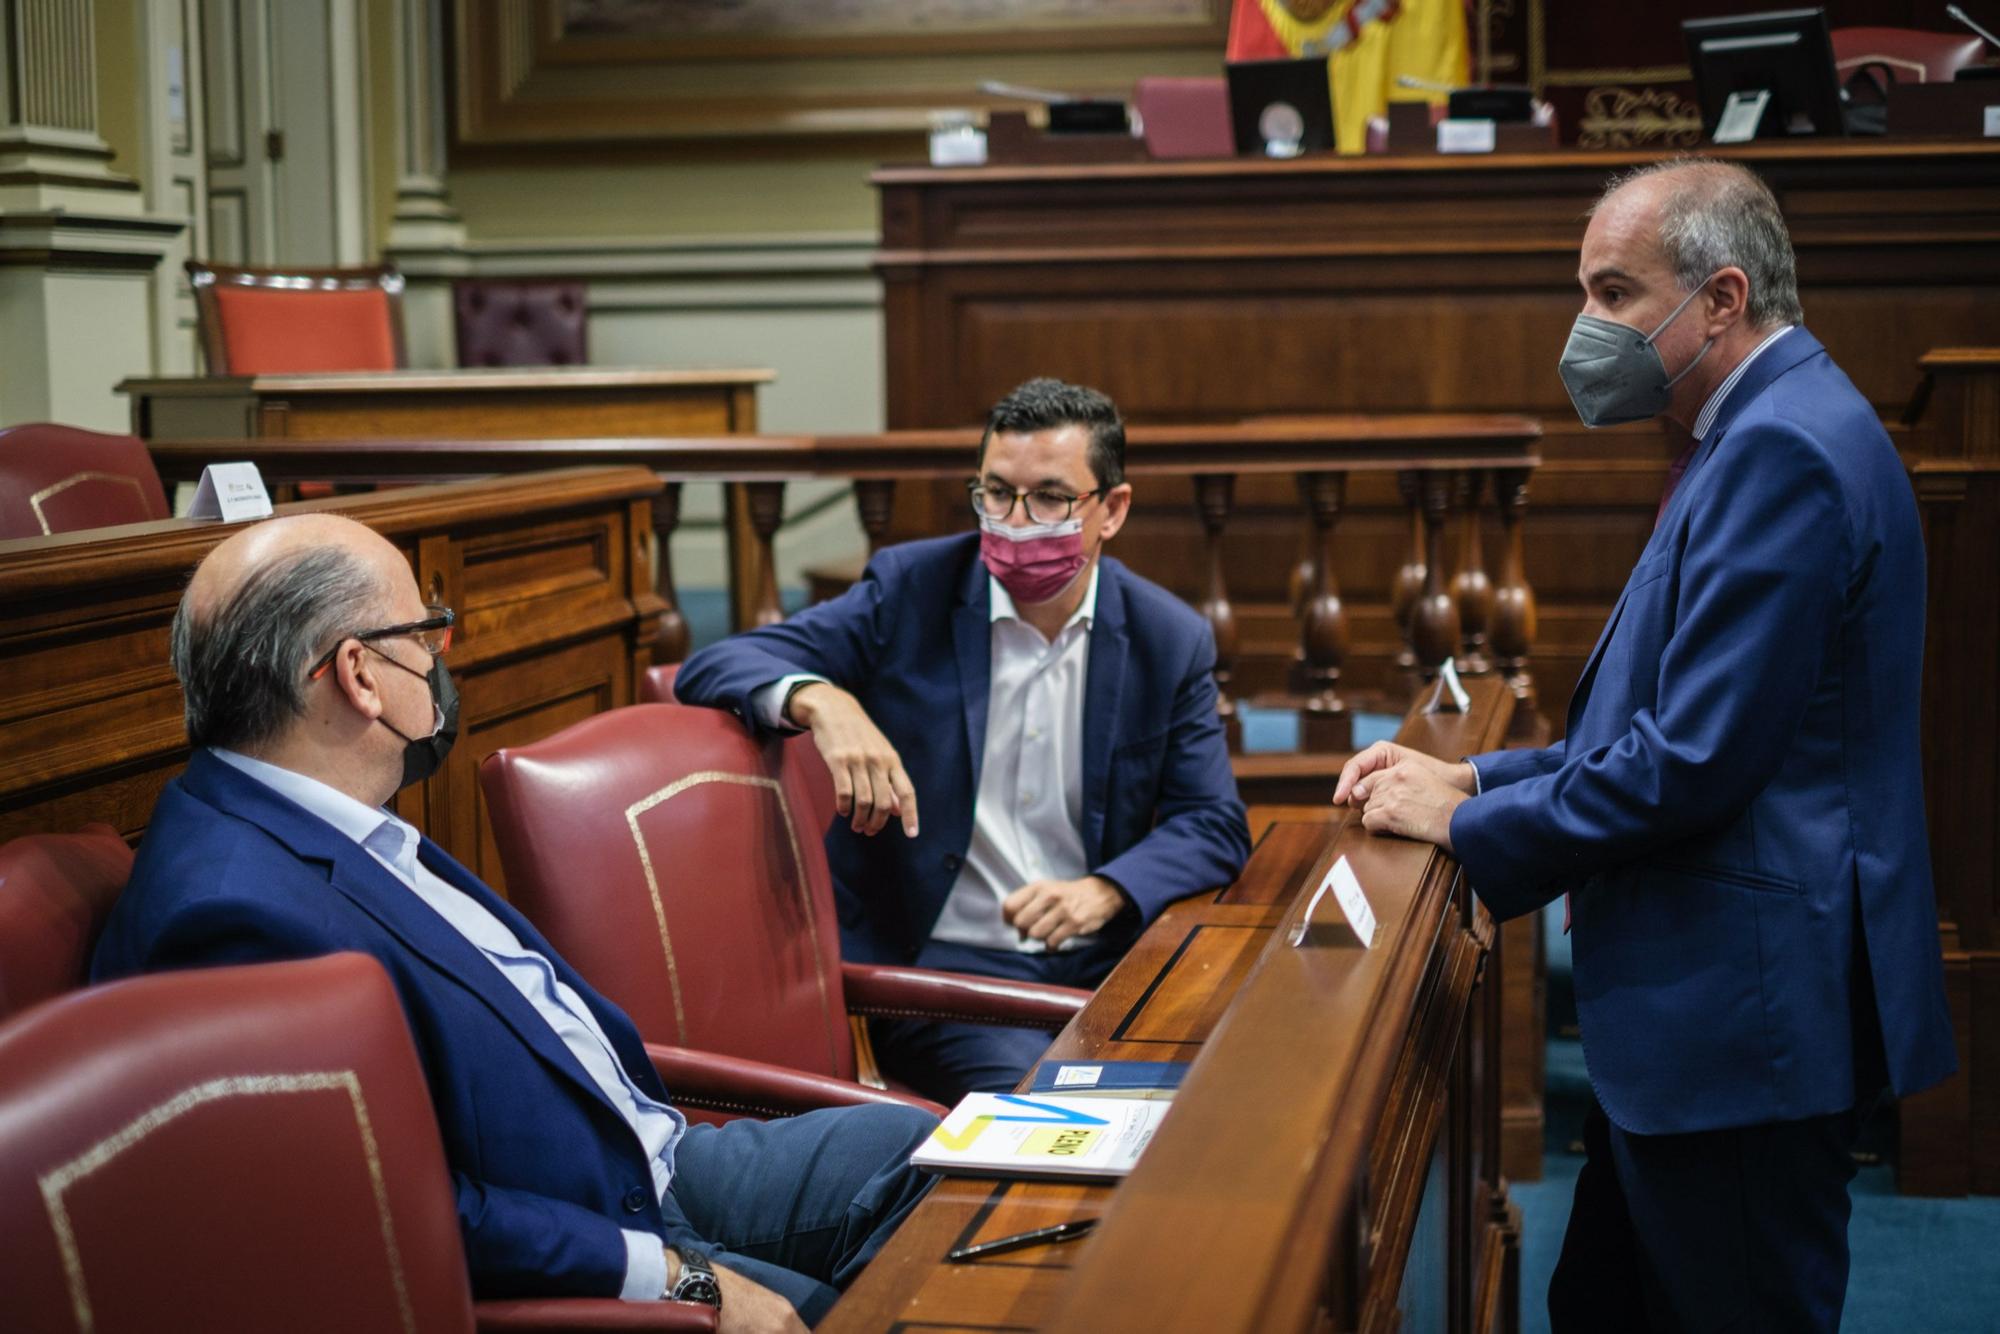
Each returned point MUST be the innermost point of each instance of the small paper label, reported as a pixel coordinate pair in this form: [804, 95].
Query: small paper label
[1078, 1076]
[1741, 116]
[1450, 696]
[231, 492]
[1465, 136]
[1346, 892]
[1993, 122]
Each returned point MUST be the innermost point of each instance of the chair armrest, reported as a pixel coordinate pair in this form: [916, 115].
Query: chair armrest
[731, 1084]
[564, 1315]
[928, 993]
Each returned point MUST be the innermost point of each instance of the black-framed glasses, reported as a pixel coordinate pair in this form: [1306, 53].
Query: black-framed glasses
[1044, 505]
[433, 636]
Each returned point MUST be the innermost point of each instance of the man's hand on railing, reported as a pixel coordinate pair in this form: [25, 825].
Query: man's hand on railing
[1406, 792]
[869, 782]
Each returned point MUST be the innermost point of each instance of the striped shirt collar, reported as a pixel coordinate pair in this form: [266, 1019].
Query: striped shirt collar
[1721, 394]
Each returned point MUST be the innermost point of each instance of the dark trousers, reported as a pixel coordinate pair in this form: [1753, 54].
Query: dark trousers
[798, 1205]
[945, 1061]
[1722, 1230]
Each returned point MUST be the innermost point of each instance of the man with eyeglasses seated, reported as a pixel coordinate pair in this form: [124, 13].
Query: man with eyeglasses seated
[315, 689]
[1053, 713]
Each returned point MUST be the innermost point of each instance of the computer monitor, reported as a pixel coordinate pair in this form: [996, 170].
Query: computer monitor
[1765, 76]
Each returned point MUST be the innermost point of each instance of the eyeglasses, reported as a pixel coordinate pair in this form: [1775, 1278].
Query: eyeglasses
[433, 636]
[1044, 506]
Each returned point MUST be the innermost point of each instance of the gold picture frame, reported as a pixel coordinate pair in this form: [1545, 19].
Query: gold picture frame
[547, 72]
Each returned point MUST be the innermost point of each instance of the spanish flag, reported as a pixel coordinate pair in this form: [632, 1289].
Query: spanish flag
[1368, 42]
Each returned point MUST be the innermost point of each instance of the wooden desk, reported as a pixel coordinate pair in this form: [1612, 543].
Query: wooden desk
[1332, 1159]
[1225, 290]
[558, 402]
[556, 613]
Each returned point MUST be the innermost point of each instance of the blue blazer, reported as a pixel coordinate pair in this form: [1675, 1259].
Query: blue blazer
[546, 1170]
[1737, 808]
[913, 642]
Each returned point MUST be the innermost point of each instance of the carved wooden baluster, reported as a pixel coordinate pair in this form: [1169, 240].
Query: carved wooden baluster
[1409, 579]
[1513, 599]
[875, 499]
[671, 642]
[1470, 585]
[1434, 628]
[1324, 724]
[766, 505]
[1214, 494]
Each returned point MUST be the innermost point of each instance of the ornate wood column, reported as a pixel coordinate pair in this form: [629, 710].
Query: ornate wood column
[1470, 586]
[671, 642]
[875, 501]
[1324, 724]
[1434, 625]
[1214, 496]
[1409, 585]
[1513, 635]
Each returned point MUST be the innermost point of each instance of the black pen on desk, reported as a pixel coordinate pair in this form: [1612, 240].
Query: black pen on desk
[1041, 1236]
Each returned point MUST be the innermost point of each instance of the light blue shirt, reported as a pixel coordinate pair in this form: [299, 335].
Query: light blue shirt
[393, 843]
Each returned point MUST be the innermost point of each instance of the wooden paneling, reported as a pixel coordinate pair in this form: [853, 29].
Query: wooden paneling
[1340, 1106]
[556, 616]
[1225, 290]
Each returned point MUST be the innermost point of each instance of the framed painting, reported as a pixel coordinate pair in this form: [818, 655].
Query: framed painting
[568, 71]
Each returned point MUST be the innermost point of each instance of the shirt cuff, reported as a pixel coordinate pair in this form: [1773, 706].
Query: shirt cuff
[768, 702]
[1478, 785]
[645, 1268]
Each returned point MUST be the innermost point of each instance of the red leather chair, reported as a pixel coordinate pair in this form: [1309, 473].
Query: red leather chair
[520, 323]
[657, 687]
[1908, 54]
[59, 479]
[661, 850]
[235, 1149]
[280, 321]
[56, 890]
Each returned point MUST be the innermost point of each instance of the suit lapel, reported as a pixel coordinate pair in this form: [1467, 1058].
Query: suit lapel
[368, 885]
[972, 640]
[1103, 687]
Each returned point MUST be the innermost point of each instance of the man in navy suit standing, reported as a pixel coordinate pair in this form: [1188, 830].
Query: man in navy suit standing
[315, 689]
[1735, 813]
[1053, 712]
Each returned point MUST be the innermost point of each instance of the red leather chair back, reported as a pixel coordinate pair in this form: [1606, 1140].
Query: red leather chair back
[59, 479]
[56, 890]
[1912, 55]
[276, 322]
[225, 1149]
[669, 858]
[656, 686]
[520, 323]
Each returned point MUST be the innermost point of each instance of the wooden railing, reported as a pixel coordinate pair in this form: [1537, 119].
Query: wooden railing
[1331, 1162]
[1450, 469]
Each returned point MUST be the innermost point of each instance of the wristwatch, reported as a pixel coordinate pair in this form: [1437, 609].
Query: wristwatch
[696, 1283]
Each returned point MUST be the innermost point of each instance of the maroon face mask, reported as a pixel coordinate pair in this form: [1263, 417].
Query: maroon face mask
[1033, 563]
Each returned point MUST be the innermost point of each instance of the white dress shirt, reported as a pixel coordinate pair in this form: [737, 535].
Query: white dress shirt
[1027, 817]
[1706, 417]
[393, 843]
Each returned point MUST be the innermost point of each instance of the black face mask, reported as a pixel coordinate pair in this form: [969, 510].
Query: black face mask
[424, 756]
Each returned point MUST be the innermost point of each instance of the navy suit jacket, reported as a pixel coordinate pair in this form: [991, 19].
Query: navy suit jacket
[1738, 806]
[546, 1170]
[913, 642]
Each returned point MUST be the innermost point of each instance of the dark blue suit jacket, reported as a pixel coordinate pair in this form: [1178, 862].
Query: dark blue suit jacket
[1738, 808]
[546, 1170]
[913, 642]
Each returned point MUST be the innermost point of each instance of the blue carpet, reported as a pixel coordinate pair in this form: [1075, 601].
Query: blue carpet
[1277, 730]
[1927, 1265]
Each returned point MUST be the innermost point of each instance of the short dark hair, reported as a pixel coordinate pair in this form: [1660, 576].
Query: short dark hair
[1044, 404]
[242, 666]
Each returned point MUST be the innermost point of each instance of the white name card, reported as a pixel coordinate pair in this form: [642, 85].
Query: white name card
[1993, 122]
[1450, 696]
[231, 492]
[1465, 136]
[1079, 1076]
[1347, 893]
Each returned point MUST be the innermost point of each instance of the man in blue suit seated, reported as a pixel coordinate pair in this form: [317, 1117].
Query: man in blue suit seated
[315, 689]
[1054, 712]
[1735, 814]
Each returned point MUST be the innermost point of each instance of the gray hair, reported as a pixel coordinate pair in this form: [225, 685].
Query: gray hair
[243, 667]
[1716, 215]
